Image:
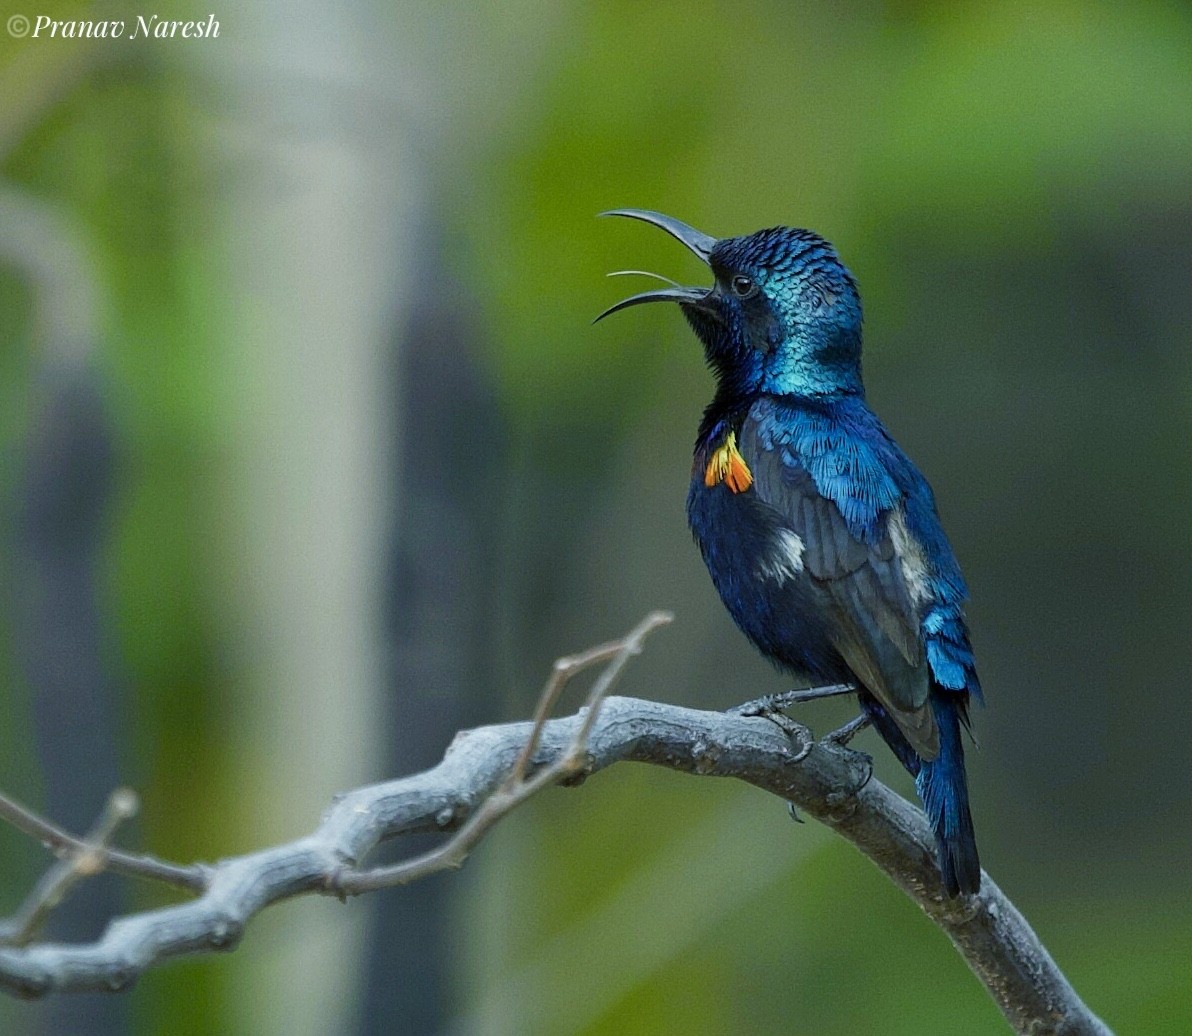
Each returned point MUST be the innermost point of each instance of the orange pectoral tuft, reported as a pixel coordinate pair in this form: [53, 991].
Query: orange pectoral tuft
[739, 477]
[728, 466]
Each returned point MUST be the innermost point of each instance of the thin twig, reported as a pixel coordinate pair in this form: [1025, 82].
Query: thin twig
[517, 787]
[561, 672]
[55, 885]
[64, 844]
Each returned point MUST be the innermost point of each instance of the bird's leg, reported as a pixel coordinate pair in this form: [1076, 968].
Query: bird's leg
[774, 703]
[851, 729]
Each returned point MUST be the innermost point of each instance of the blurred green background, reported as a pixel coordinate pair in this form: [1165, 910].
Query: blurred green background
[311, 456]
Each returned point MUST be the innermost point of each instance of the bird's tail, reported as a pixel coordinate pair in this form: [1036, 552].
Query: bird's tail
[943, 788]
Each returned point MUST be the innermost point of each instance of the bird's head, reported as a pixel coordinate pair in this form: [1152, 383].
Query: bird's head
[782, 317]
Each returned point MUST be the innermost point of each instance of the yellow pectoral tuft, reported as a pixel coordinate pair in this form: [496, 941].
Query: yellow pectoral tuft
[728, 466]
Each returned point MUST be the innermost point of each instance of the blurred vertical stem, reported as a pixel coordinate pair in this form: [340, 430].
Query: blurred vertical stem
[315, 244]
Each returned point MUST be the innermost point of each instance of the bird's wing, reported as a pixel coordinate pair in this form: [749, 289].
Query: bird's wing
[871, 570]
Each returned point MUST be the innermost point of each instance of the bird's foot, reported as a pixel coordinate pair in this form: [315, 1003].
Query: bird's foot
[773, 704]
[800, 738]
[798, 735]
[841, 738]
[843, 735]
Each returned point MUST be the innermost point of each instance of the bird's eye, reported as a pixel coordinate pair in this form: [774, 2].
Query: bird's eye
[743, 286]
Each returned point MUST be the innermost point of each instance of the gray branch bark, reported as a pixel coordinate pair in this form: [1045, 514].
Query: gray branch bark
[829, 782]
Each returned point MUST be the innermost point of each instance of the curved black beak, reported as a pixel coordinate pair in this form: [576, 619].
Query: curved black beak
[699, 243]
[692, 296]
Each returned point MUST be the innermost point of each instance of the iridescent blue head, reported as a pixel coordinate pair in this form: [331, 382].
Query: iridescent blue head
[783, 316]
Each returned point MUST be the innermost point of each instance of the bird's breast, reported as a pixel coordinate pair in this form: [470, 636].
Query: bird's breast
[757, 565]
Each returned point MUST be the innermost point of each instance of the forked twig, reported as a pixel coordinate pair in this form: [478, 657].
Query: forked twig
[56, 883]
[520, 784]
[65, 845]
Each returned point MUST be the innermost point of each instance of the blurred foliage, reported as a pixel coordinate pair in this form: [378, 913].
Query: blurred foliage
[1011, 185]
[121, 156]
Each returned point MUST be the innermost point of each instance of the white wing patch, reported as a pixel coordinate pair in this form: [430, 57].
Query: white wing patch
[785, 560]
[910, 556]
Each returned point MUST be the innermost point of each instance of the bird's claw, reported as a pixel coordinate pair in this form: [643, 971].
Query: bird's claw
[797, 734]
[840, 738]
[795, 731]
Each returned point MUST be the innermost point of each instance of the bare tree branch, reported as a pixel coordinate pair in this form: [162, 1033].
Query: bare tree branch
[510, 762]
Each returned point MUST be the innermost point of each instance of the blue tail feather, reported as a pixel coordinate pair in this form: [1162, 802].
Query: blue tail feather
[943, 788]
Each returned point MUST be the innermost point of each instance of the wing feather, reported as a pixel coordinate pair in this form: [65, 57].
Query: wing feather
[876, 618]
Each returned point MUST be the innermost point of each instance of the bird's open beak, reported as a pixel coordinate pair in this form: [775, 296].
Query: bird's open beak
[700, 244]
